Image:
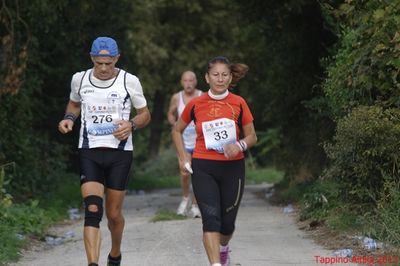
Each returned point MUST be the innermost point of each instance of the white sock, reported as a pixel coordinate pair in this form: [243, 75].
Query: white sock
[216, 264]
[223, 248]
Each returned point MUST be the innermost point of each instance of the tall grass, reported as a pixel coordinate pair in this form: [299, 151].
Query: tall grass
[21, 221]
[148, 181]
[388, 215]
[166, 215]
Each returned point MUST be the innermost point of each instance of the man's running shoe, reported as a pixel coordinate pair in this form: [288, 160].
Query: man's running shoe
[195, 211]
[183, 206]
[111, 261]
[224, 255]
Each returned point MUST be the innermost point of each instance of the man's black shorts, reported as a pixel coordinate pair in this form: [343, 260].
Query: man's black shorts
[107, 166]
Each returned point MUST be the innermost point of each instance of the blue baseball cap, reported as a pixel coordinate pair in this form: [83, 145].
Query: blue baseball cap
[104, 46]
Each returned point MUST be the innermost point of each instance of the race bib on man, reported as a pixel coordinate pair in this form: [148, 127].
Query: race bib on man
[218, 133]
[100, 117]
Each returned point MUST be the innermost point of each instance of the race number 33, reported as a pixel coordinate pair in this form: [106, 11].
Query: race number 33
[218, 132]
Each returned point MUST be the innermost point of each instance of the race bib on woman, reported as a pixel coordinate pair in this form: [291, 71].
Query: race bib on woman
[218, 133]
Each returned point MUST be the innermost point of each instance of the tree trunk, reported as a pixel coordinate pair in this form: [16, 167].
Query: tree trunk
[157, 122]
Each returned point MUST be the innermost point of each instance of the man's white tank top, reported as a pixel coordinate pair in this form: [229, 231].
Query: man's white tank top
[189, 134]
[100, 108]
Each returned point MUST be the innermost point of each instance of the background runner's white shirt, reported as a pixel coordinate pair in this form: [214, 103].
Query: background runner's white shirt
[102, 103]
[189, 134]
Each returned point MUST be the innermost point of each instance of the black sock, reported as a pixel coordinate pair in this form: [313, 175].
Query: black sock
[93, 264]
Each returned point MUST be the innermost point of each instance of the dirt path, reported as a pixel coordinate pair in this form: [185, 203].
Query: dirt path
[265, 236]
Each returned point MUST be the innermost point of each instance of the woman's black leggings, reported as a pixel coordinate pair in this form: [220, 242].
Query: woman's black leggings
[218, 187]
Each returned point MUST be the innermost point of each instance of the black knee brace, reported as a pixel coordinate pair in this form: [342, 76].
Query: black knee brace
[93, 218]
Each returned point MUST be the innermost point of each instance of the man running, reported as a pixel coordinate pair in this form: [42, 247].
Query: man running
[176, 106]
[103, 96]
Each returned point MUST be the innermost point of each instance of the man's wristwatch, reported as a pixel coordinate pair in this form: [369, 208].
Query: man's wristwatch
[133, 125]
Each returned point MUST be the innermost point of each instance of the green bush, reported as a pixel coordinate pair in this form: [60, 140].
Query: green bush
[362, 96]
[365, 153]
[160, 172]
[19, 222]
[343, 219]
[9, 244]
[387, 214]
[319, 199]
[263, 175]
[365, 69]
[288, 191]
[23, 220]
[37, 160]
[26, 219]
[165, 164]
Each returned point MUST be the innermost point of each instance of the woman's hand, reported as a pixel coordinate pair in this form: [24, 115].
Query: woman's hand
[231, 150]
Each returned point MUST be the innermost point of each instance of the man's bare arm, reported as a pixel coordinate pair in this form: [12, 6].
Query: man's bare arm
[142, 117]
[72, 111]
[172, 115]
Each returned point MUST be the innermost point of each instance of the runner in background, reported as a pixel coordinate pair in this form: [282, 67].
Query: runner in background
[176, 106]
[217, 163]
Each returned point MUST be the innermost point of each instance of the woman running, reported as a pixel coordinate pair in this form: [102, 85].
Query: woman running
[218, 166]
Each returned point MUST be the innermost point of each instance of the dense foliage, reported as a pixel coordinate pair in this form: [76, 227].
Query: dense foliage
[365, 154]
[58, 47]
[315, 66]
[284, 42]
[169, 37]
[159, 39]
[362, 96]
[365, 72]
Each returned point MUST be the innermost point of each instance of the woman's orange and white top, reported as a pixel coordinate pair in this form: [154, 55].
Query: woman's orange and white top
[218, 123]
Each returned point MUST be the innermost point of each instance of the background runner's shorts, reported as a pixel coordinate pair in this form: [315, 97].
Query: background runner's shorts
[109, 167]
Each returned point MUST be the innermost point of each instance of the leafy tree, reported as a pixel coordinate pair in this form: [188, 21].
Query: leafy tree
[285, 42]
[362, 94]
[15, 39]
[60, 34]
[365, 70]
[169, 37]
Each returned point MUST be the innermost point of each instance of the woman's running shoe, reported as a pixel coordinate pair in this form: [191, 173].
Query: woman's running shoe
[224, 255]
